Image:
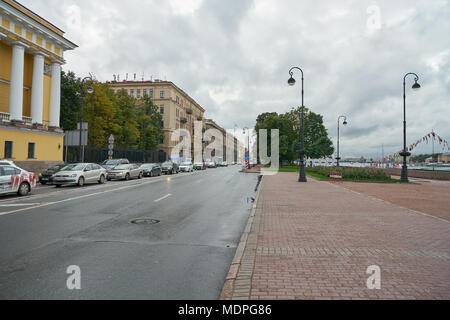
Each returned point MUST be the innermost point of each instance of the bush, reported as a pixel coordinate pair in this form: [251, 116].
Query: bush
[351, 173]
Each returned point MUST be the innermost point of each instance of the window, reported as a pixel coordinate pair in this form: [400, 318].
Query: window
[31, 149]
[47, 69]
[151, 93]
[138, 93]
[132, 92]
[10, 171]
[178, 99]
[161, 109]
[8, 150]
[161, 94]
[162, 124]
[145, 92]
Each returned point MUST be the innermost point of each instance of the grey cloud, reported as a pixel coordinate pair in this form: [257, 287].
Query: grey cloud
[233, 58]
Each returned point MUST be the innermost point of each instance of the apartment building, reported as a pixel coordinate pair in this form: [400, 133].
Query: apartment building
[178, 109]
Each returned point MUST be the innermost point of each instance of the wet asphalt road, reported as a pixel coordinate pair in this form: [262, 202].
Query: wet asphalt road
[184, 256]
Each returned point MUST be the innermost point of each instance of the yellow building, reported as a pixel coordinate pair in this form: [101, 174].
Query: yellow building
[178, 109]
[444, 157]
[31, 55]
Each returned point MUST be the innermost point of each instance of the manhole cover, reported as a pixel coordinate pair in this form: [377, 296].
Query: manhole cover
[145, 221]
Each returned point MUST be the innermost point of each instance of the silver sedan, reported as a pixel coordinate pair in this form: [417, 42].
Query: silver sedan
[125, 172]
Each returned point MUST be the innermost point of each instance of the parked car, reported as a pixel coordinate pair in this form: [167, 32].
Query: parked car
[110, 164]
[47, 176]
[151, 169]
[212, 164]
[80, 174]
[199, 166]
[14, 179]
[170, 167]
[7, 163]
[224, 164]
[125, 172]
[186, 167]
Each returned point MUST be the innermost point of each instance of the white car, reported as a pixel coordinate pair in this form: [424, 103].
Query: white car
[186, 167]
[80, 174]
[14, 179]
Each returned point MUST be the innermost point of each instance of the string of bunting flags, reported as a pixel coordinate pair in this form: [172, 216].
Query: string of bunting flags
[432, 136]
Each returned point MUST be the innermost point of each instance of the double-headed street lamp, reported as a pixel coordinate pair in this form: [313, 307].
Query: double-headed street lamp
[344, 123]
[89, 90]
[405, 153]
[291, 82]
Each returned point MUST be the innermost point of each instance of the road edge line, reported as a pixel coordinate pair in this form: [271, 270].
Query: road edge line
[226, 292]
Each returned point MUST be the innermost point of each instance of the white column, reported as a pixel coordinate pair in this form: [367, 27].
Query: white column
[37, 92]
[16, 86]
[55, 96]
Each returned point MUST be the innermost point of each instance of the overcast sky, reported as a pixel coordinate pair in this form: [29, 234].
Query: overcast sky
[233, 57]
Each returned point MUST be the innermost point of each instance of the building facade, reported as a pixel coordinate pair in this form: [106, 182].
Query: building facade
[31, 55]
[231, 145]
[444, 157]
[178, 109]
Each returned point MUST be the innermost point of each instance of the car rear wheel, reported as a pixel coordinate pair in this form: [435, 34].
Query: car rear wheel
[58, 185]
[24, 189]
[81, 182]
[102, 179]
[43, 183]
[140, 175]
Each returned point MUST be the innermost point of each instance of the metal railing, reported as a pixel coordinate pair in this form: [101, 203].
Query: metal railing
[27, 120]
[4, 116]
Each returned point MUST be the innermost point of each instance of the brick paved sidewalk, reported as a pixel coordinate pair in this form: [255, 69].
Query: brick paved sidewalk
[316, 241]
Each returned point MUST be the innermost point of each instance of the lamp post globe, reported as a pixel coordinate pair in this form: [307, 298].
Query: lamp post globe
[291, 82]
[89, 90]
[405, 153]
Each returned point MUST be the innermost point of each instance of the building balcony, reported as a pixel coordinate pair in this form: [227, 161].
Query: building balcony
[183, 120]
[199, 118]
[189, 111]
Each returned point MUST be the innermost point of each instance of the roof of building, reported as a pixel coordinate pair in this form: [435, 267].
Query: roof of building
[29, 14]
[150, 82]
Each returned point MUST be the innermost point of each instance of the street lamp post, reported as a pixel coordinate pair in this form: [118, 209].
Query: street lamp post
[291, 82]
[248, 146]
[344, 123]
[405, 153]
[89, 90]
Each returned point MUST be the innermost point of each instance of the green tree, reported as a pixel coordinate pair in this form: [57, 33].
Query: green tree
[98, 111]
[317, 142]
[149, 124]
[70, 100]
[126, 132]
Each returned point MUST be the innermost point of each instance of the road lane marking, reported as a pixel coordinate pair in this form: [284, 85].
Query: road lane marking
[18, 204]
[87, 196]
[77, 189]
[162, 198]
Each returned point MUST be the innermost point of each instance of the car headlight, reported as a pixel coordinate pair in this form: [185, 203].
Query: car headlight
[73, 175]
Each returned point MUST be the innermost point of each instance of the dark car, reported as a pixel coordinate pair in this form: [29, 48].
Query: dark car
[47, 175]
[170, 167]
[151, 169]
[199, 166]
[110, 164]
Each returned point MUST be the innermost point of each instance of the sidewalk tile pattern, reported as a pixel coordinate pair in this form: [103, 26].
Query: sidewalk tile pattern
[316, 240]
